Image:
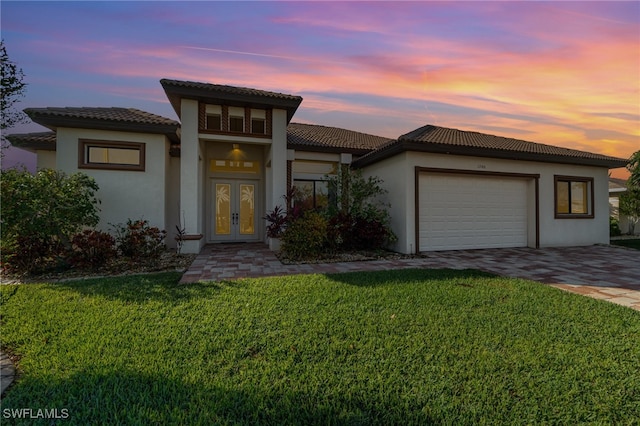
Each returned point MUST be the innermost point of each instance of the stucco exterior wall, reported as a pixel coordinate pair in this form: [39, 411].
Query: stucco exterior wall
[123, 194]
[398, 172]
[173, 215]
[396, 180]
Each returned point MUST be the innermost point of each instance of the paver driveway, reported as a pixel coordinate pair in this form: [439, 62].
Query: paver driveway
[603, 272]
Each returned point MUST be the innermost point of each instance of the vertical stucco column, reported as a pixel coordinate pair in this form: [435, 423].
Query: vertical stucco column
[190, 182]
[278, 156]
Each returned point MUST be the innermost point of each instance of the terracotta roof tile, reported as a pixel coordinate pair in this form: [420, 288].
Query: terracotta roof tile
[436, 139]
[309, 136]
[112, 114]
[443, 135]
[34, 141]
[222, 88]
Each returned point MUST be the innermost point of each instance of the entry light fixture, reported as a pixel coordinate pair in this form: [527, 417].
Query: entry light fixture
[236, 146]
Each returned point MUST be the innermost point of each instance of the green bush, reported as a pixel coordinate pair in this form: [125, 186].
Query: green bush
[305, 237]
[40, 214]
[614, 227]
[138, 241]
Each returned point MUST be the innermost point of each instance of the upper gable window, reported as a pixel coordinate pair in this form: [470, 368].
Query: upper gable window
[236, 119]
[258, 121]
[573, 197]
[93, 154]
[214, 117]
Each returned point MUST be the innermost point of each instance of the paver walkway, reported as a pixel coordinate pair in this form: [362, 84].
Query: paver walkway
[7, 372]
[603, 272]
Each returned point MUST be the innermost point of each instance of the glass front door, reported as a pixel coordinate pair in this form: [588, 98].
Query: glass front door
[234, 211]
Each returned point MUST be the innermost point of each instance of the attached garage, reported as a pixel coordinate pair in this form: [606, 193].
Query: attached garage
[459, 210]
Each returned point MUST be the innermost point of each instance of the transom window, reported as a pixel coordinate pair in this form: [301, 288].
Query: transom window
[573, 197]
[93, 154]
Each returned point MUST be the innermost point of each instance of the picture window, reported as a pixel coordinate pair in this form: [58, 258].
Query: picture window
[111, 155]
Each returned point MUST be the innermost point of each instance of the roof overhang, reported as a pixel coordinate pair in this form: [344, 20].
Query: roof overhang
[400, 146]
[53, 122]
[42, 141]
[177, 90]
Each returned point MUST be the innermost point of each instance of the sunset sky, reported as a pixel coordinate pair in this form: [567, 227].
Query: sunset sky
[560, 73]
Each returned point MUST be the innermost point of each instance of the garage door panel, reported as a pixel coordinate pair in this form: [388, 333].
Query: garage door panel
[462, 212]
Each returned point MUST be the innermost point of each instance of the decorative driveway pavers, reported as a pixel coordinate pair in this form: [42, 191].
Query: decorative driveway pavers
[603, 272]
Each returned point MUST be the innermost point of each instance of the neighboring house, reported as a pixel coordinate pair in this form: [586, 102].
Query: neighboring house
[235, 152]
[618, 187]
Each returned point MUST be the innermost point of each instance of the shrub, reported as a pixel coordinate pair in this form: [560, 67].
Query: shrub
[339, 232]
[305, 237]
[363, 219]
[31, 254]
[139, 241]
[40, 213]
[614, 227]
[92, 249]
[48, 203]
[369, 234]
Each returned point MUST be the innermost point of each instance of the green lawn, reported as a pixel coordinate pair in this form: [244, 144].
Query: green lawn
[393, 347]
[631, 243]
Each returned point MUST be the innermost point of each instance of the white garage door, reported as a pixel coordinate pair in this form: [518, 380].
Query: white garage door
[471, 211]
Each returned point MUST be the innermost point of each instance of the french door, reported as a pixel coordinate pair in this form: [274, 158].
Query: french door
[234, 210]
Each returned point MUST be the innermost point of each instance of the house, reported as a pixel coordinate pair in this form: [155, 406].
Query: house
[626, 224]
[235, 152]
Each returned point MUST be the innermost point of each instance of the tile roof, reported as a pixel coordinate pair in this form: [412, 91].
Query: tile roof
[316, 137]
[436, 139]
[229, 95]
[617, 185]
[223, 88]
[34, 141]
[109, 114]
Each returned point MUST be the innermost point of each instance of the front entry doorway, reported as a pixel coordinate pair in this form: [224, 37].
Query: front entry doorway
[234, 210]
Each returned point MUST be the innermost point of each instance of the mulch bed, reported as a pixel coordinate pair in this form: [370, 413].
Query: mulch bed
[168, 261]
[354, 256]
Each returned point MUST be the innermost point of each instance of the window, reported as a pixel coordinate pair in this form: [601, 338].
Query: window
[111, 155]
[213, 117]
[573, 197]
[258, 120]
[236, 119]
[257, 125]
[214, 122]
[313, 194]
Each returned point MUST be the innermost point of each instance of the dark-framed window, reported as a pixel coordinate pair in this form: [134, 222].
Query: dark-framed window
[236, 123]
[313, 194]
[214, 121]
[111, 155]
[573, 197]
[258, 126]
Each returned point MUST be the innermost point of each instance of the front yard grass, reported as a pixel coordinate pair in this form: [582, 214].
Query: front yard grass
[392, 347]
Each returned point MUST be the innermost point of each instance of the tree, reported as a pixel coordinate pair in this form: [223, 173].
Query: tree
[634, 168]
[630, 206]
[13, 89]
